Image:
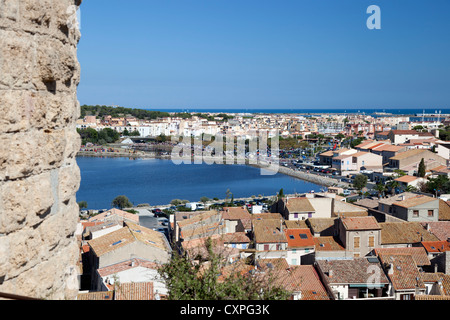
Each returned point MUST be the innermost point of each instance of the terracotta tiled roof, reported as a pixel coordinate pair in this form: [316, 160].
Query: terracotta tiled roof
[299, 205]
[327, 244]
[436, 277]
[418, 253]
[299, 238]
[268, 231]
[415, 201]
[404, 233]
[327, 154]
[406, 178]
[134, 291]
[126, 235]
[266, 215]
[301, 279]
[436, 246]
[235, 237]
[352, 271]
[360, 223]
[444, 210]
[202, 230]
[397, 198]
[407, 154]
[388, 147]
[405, 274]
[235, 213]
[405, 132]
[104, 295]
[320, 224]
[427, 297]
[368, 203]
[295, 224]
[127, 265]
[198, 218]
[364, 143]
[115, 214]
[441, 229]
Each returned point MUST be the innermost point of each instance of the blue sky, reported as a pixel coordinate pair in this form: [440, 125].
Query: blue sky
[223, 54]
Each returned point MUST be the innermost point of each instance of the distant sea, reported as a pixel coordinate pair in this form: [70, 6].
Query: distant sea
[401, 111]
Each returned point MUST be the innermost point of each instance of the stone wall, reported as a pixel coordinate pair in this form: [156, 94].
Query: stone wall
[39, 74]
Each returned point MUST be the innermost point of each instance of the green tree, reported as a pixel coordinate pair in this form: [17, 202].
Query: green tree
[422, 169]
[176, 202]
[204, 199]
[356, 141]
[82, 205]
[380, 188]
[135, 133]
[438, 185]
[393, 185]
[186, 280]
[280, 194]
[400, 173]
[121, 202]
[360, 181]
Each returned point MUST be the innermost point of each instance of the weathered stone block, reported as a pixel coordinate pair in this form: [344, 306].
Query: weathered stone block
[17, 59]
[21, 197]
[32, 152]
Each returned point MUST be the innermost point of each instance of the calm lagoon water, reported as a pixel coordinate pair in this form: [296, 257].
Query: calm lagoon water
[157, 181]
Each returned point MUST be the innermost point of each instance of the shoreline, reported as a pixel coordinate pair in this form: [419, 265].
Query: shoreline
[319, 180]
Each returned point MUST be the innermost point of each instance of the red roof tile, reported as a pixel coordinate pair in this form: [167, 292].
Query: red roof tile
[299, 238]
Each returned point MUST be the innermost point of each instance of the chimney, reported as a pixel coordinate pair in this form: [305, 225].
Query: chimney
[330, 273]
[391, 269]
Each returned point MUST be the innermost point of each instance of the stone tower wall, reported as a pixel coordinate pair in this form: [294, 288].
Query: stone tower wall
[39, 176]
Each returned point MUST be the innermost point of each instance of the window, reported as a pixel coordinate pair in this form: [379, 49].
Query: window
[356, 242]
[303, 236]
[406, 297]
[415, 213]
[371, 241]
[291, 236]
[430, 213]
[266, 247]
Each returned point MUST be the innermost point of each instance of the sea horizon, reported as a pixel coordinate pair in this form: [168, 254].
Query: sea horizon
[397, 111]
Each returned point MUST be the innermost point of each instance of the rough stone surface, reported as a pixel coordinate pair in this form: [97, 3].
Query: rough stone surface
[39, 177]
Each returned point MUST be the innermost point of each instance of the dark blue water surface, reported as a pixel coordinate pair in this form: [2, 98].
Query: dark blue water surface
[157, 182]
